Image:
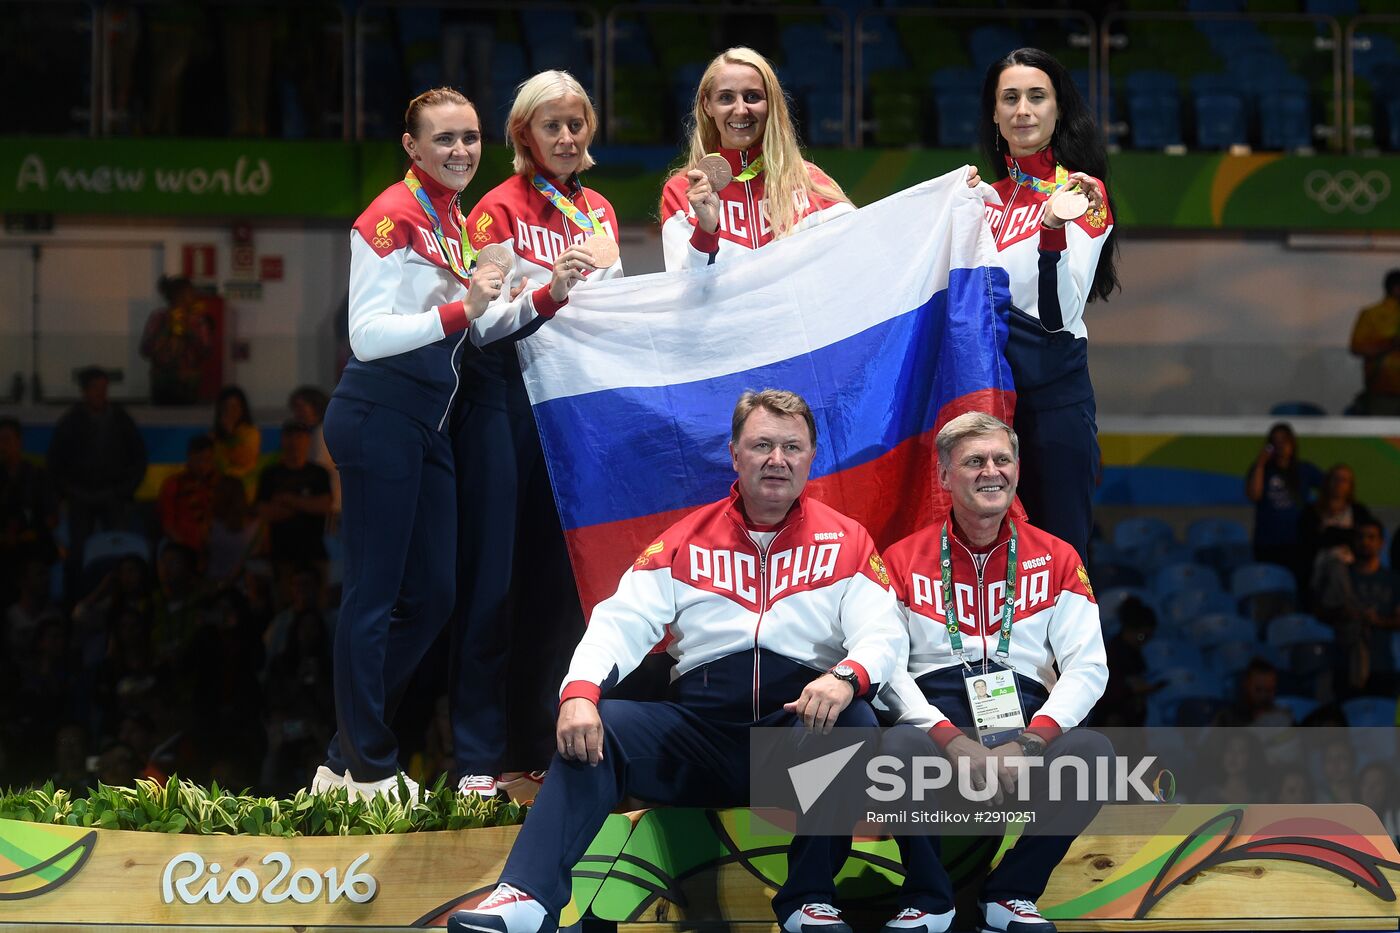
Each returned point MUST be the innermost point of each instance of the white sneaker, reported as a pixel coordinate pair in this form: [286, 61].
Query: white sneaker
[920, 921]
[389, 787]
[815, 918]
[326, 780]
[505, 910]
[1014, 916]
[482, 785]
[522, 787]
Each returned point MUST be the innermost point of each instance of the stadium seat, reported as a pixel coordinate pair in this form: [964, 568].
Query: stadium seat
[1285, 120]
[1150, 80]
[1370, 711]
[880, 47]
[1331, 7]
[955, 79]
[1230, 658]
[1308, 661]
[1111, 599]
[991, 43]
[825, 124]
[1220, 627]
[1264, 590]
[1298, 628]
[1297, 408]
[1220, 543]
[1198, 711]
[1142, 537]
[1299, 707]
[112, 546]
[958, 115]
[1154, 119]
[1184, 576]
[1185, 606]
[1220, 120]
[1163, 654]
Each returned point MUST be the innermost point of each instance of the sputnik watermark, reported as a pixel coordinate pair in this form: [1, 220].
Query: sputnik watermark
[1068, 779]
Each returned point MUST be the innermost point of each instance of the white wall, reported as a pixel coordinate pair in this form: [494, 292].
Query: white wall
[1213, 326]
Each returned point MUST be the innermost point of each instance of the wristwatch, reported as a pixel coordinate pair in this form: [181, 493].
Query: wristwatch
[1032, 744]
[848, 674]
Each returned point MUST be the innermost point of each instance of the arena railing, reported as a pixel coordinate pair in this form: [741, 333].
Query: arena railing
[1355, 42]
[1326, 39]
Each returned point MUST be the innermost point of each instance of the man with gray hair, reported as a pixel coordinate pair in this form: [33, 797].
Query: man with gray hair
[990, 599]
[779, 614]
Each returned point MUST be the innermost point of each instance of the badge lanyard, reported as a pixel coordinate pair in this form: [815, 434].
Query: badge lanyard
[750, 173]
[411, 181]
[1040, 184]
[1008, 607]
[585, 222]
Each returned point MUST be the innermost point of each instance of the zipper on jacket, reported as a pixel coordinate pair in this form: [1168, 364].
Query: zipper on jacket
[982, 618]
[762, 599]
[453, 359]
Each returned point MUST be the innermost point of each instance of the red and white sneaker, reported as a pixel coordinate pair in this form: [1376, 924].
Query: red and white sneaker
[482, 785]
[1014, 916]
[815, 918]
[505, 910]
[522, 786]
[913, 920]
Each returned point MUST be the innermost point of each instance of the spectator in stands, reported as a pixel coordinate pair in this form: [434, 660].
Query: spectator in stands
[130, 671]
[178, 340]
[304, 596]
[97, 459]
[1124, 701]
[1294, 786]
[28, 511]
[53, 688]
[1362, 600]
[294, 498]
[1376, 789]
[1376, 339]
[69, 769]
[1325, 527]
[176, 601]
[1239, 769]
[32, 606]
[1257, 702]
[1338, 766]
[308, 405]
[233, 533]
[186, 501]
[126, 587]
[1280, 486]
[236, 439]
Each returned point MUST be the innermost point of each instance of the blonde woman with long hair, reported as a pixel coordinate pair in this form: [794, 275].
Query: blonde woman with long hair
[741, 114]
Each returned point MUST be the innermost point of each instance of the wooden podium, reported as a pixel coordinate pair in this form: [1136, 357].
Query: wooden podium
[1203, 867]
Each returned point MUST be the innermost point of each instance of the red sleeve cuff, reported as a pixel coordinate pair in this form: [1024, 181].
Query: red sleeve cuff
[944, 732]
[861, 674]
[704, 242]
[454, 317]
[581, 688]
[545, 306]
[1053, 240]
[1045, 727]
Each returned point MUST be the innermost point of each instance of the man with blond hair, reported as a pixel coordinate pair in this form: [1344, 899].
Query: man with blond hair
[778, 613]
[1003, 631]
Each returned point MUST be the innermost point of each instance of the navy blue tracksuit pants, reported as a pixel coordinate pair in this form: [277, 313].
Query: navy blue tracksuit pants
[517, 617]
[1059, 469]
[1026, 867]
[399, 524]
[663, 753]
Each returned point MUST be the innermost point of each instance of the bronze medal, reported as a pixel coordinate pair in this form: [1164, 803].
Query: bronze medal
[1069, 204]
[717, 170]
[603, 249]
[498, 255]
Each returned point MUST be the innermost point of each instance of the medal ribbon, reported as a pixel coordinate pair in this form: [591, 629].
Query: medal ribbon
[950, 610]
[1042, 185]
[754, 169]
[411, 181]
[584, 221]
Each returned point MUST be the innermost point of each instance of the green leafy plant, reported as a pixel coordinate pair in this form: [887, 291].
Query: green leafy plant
[179, 806]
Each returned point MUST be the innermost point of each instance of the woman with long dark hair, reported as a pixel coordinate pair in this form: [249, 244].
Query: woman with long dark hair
[1054, 236]
[1280, 485]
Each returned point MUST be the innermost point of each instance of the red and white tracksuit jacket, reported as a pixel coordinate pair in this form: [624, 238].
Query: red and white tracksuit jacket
[743, 219]
[408, 321]
[816, 595]
[515, 214]
[1051, 272]
[1055, 625]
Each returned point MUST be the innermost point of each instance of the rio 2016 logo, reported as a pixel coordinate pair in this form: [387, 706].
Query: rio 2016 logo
[243, 886]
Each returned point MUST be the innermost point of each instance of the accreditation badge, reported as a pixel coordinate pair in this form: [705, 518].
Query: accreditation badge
[996, 705]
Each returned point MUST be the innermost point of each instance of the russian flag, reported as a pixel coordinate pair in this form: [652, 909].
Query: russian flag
[889, 321]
